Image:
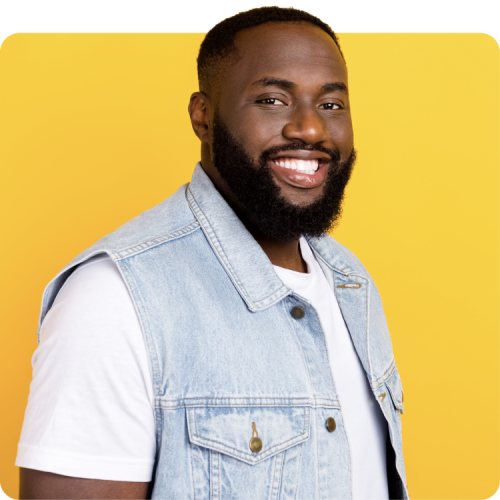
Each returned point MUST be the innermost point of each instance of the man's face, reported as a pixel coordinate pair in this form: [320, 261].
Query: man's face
[283, 112]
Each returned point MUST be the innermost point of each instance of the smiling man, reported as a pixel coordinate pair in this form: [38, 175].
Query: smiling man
[222, 345]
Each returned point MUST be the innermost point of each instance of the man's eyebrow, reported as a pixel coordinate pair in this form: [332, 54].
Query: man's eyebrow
[336, 86]
[269, 81]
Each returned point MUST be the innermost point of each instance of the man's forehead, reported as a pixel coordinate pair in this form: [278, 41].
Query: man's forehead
[287, 49]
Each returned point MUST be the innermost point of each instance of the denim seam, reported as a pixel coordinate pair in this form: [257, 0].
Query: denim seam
[336, 269]
[211, 477]
[326, 350]
[397, 405]
[317, 456]
[392, 367]
[309, 405]
[225, 261]
[219, 481]
[196, 207]
[274, 476]
[298, 473]
[193, 486]
[349, 451]
[280, 465]
[368, 291]
[154, 242]
[246, 398]
[297, 340]
[145, 326]
[246, 454]
[47, 292]
[327, 403]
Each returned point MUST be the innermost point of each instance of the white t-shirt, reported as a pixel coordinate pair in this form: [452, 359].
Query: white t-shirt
[90, 408]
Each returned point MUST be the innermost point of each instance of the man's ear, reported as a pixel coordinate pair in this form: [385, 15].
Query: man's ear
[199, 112]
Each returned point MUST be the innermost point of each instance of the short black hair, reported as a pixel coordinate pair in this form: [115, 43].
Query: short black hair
[219, 43]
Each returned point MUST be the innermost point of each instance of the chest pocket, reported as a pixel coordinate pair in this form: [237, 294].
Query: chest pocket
[247, 452]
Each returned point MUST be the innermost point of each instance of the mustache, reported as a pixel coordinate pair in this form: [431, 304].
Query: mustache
[297, 146]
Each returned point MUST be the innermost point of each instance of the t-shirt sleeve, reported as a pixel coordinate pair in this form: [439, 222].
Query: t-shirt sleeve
[90, 409]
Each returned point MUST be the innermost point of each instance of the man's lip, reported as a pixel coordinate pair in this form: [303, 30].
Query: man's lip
[301, 154]
[300, 179]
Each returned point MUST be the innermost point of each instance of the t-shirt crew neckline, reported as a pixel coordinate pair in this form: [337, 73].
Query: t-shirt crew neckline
[298, 277]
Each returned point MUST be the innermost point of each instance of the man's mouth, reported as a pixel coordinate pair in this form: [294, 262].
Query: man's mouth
[303, 166]
[299, 172]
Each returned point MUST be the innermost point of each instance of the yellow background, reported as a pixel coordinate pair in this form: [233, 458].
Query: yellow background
[94, 130]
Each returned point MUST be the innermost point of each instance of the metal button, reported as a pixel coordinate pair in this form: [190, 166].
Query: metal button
[255, 444]
[330, 424]
[297, 312]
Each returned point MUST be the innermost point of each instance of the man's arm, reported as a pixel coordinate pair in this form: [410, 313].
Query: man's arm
[36, 484]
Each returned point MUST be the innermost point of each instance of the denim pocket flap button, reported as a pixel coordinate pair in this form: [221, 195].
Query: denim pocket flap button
[249, 434]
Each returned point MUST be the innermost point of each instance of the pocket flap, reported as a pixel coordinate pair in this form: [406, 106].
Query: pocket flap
[229, 430]
[393, 383]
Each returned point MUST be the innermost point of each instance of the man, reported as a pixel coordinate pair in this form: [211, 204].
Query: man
[221, 345]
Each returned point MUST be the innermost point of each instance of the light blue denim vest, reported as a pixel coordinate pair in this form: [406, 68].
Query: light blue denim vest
[225, 352]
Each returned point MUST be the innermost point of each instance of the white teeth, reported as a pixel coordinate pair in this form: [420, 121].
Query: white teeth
[303, 166]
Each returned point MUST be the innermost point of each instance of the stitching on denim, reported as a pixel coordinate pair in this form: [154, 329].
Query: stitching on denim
[161, 236]
[397, 405]
[317, 455]
[263, 457]
[252, 455]
[336, 269]
[189, 446]
[250, 397]
[335, 405]
[147, 334]
[280, 476]
[349, 450]
[211, 479]
[224, 258]
[391, 367]
[158, 241]
[326, 349]
[382, 382]
[299, 464]
[196, 207]
[297, 340]
[274, 476]
[368, 293]
[219, 473]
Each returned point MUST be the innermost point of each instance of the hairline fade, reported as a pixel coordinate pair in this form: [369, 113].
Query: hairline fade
[219, 48]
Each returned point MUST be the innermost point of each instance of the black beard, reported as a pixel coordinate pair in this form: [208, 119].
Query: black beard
[259, 197]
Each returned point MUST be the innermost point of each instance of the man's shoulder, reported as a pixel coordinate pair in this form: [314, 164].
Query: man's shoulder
[169, 219]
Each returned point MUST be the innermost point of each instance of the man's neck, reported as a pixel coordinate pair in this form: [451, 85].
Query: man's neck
[285, 255]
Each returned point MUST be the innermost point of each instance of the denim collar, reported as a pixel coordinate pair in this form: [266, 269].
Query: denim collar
[246, 263]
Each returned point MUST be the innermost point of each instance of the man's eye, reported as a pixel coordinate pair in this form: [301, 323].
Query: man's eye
[273, 101]
[331, 105]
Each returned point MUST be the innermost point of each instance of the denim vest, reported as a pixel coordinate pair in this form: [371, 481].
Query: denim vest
[229, 362]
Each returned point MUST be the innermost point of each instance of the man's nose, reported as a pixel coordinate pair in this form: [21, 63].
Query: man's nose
[307, 126]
